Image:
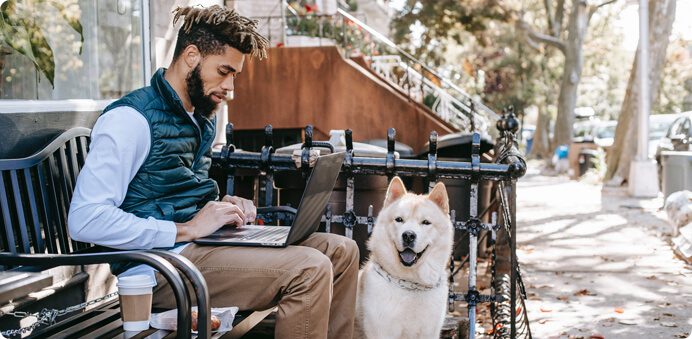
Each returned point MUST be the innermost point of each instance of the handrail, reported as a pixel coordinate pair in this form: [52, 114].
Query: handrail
[393, 45]
[476, 112]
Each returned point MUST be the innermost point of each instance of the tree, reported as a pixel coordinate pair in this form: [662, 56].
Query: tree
[661, 17]
[580, 15]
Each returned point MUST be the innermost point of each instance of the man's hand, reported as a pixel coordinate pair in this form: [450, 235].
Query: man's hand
[245, 205]
[210, 218]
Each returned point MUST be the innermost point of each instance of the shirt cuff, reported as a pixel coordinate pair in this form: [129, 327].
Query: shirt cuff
[166, 233]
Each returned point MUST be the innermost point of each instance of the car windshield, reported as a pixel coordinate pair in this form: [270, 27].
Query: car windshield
[657, 129]
[605, 132]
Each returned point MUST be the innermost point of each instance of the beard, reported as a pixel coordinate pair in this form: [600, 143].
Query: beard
[195, 89]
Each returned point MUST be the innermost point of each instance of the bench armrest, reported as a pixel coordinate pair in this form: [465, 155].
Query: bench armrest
[190, 271]
[154, 260]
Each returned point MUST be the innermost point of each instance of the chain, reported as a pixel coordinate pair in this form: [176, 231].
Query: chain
[48, 316]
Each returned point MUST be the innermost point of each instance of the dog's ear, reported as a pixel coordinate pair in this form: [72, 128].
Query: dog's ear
[395, 191]
[438, 195]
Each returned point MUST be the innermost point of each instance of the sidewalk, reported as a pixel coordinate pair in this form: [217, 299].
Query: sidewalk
[598, 264]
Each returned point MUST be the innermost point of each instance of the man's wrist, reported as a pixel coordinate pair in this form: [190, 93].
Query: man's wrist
[184, 232]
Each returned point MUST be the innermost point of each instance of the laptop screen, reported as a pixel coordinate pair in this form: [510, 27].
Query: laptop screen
[316, 196]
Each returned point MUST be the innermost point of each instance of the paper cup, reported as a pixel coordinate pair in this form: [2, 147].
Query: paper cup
[135, 301]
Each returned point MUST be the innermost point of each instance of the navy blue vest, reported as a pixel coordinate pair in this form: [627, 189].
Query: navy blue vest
[173, 183]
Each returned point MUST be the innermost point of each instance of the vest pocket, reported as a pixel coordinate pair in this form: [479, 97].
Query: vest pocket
[167, 210]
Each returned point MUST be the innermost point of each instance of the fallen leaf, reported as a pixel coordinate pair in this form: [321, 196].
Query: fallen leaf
[627, 322]
[668, 324]
[651, 277]
[596, 336]
[563, 298]
[668, 314]
[543, 321]
[619, 310]
[546, 309]
[519, 309]
[583, 292]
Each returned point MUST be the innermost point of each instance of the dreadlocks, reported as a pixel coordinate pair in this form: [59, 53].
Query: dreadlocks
[212, 28]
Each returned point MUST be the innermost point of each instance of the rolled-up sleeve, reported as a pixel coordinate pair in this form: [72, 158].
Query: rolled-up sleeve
[120, 143]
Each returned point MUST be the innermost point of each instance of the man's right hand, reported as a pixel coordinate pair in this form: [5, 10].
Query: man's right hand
[209, 219]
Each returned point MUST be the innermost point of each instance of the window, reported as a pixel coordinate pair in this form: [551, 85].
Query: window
[111, 60]
[675, 127]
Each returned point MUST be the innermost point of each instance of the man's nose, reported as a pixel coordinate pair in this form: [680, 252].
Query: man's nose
[227, 85]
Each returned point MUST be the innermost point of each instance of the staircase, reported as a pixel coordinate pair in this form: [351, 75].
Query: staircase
[417, 81]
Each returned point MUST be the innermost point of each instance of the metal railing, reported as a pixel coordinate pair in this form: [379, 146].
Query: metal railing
[508, 166]
[413, 78]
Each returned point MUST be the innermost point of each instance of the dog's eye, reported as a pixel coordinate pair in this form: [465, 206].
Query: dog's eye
[425, 222]
[399, 219]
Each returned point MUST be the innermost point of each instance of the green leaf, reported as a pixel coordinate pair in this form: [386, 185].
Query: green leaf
[25, 37]
[73, 21]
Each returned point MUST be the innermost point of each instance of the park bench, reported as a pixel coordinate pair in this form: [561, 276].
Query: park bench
[35, 194]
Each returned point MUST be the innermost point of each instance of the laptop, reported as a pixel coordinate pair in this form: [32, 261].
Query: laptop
[310, 210]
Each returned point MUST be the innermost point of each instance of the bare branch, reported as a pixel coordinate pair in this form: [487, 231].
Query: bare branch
[594, 8]
[559, 15]
[549, 10]
[540, 37]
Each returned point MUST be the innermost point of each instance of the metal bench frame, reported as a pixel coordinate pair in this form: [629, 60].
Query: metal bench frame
[35, 193]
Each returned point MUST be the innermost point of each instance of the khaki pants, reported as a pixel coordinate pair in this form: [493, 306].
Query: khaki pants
[313, 283]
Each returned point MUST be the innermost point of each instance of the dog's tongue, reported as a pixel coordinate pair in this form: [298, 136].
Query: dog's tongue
[408, 255]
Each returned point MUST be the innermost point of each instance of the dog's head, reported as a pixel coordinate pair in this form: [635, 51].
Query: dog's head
[413, 230]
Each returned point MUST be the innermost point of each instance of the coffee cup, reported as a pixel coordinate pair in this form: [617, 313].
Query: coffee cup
[135, 301]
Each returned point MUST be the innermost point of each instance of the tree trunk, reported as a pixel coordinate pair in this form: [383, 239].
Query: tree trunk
[661, 17]
[540, 148]
[577, 27]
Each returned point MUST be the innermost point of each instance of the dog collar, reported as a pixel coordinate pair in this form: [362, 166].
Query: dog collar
[405, 284]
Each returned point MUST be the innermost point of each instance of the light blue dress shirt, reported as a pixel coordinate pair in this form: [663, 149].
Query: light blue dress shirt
[120, 142]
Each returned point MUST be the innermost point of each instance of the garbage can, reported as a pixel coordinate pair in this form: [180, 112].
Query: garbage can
[368, 189]
[457, 147]
[676, 171]
[405, 151]
[588, 158]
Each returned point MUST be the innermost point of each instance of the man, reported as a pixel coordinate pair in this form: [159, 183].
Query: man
[145, 185]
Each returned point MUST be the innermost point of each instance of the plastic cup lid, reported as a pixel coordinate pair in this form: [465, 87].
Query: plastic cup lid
[135, 281]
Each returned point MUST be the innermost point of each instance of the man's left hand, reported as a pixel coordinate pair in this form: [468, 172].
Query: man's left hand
[245, 205]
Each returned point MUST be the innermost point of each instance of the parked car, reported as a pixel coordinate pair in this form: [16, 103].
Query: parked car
[604, 133]
[678, 137]
[658, 128]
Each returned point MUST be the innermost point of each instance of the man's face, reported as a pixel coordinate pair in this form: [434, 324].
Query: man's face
[212, 78]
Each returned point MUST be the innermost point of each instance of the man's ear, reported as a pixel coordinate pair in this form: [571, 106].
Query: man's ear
[395, 191]
[438, 195]
[192, 56]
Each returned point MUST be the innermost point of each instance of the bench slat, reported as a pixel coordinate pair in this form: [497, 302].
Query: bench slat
[46, 199]
[54, 179]
[7, 222]
[94, 319]
[19, 208]
[39, 245]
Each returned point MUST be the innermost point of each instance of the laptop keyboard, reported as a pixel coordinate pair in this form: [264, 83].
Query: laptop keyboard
[268, 234]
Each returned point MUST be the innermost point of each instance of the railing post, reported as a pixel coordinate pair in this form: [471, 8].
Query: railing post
[226, 151]
[267, 151]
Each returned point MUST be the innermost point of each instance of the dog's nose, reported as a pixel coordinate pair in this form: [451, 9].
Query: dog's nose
[409, 238]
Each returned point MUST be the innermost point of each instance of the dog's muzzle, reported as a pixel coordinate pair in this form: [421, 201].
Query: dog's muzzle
[408, 256]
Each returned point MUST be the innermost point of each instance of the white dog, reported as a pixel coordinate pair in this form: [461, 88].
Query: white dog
[402, 291]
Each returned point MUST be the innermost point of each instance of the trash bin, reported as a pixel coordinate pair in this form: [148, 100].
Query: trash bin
[676, 171]
[368, 189]
[574, 153]
[588, 158]
[405, 151]
[457, 147]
